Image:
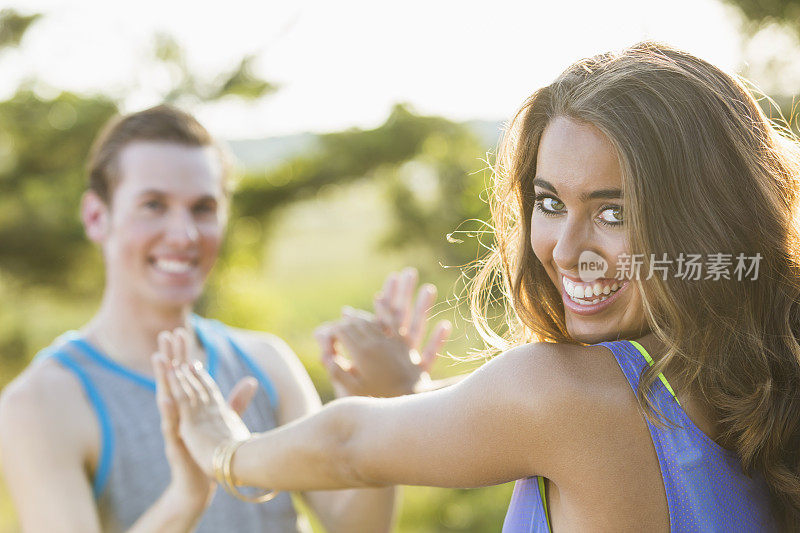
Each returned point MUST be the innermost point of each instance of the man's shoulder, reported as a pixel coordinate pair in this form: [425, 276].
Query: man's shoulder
[269, 351]
[44, 385]
[46, 399]
[259, 342]
[282, 367]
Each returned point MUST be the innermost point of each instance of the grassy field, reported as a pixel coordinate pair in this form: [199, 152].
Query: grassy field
[321, 254]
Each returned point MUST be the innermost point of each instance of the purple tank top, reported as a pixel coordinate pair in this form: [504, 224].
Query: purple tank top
[706, 488]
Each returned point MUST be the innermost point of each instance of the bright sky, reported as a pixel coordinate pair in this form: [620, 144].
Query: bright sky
[344, 63]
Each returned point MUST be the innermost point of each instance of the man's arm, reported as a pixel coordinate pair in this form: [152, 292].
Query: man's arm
[44, 444]
[48, 437]
[339, 511]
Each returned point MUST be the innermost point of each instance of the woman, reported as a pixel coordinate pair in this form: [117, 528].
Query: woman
[640, 162]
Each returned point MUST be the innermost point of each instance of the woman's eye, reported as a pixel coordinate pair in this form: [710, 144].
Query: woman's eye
[612, 215]
[153, 204]
[549, 205]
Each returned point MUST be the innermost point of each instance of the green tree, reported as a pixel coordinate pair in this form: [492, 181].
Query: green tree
[758, 15]
[760, 12]
[439, 156]
[13, 26]
[44, 142]
[43, 147]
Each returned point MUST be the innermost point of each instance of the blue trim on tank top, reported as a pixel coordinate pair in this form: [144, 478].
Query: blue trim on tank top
[140, 379]
[107, 435]
[259, 374]
[210, 348]
[109, 364]
[56, 345]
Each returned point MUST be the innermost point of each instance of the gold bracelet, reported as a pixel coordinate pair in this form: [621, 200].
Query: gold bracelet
[221, 462]
[217, 460]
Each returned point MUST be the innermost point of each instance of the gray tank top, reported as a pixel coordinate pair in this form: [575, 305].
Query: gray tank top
[133, 471]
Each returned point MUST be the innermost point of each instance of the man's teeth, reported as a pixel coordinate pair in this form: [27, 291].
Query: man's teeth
[581, 292]
[173, 266]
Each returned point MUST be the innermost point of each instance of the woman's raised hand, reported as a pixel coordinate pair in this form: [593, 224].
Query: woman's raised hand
[187, 395]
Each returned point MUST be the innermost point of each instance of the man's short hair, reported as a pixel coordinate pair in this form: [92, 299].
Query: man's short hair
[161, 123]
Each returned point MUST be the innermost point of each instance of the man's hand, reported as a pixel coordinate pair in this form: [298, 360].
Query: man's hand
[189, 486]
[384, 357]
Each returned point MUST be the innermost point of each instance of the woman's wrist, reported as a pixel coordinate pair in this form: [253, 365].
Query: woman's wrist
[239, 464]
[224, 475]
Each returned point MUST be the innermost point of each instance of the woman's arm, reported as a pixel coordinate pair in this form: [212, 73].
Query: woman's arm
[476, 433]
[366, 509]
[506, 421]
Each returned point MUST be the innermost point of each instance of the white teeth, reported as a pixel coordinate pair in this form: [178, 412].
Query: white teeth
[569, 286]
[172, 266]
[580, 293]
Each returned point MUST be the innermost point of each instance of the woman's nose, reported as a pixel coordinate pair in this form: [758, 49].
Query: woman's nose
[571, 240]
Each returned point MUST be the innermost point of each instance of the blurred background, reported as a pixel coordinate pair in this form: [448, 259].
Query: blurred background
[364, 132]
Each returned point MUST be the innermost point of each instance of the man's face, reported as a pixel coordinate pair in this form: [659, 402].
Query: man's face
[166, 221]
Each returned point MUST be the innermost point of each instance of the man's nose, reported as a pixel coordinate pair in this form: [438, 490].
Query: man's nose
[182, 229]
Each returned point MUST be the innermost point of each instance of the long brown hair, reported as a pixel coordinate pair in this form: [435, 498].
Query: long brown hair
[703, 171]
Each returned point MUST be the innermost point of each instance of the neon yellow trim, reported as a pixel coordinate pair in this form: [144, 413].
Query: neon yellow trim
[544, 502]
[650, 362]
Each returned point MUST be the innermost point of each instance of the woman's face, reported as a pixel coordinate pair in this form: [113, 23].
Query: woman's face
[577, 223]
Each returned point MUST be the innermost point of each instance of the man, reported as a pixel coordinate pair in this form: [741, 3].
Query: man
[80, 435]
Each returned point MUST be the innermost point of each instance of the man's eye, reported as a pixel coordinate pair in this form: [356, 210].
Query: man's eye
[154, 204]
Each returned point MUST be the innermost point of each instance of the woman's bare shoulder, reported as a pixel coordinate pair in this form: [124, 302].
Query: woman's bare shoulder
[555, 383]
[576, 392]
[568, 368]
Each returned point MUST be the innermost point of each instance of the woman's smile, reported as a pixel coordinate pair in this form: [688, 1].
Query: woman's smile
[589, 298]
